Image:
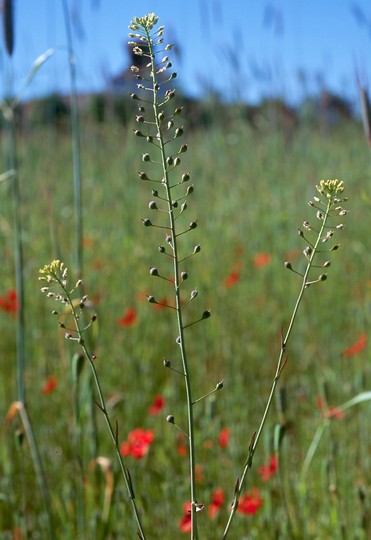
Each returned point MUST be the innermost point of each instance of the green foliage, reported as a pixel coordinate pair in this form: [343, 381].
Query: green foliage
[264, 184]
[252, 188]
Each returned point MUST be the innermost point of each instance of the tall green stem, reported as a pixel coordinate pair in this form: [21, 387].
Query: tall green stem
[78, 254]
[11, 158]
[181, 340]
[36, 458]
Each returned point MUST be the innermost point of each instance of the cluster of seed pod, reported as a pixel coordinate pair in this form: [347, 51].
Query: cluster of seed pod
[327, 207]
[159, 125]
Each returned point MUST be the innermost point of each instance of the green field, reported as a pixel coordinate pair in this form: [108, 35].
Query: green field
[251, 192]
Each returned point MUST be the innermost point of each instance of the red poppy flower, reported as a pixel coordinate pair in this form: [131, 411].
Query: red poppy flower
[138, 442]
[157, 405]
[357, 347]
[267, 471]
[9, 302]
[232, 279]
[49, 385]
[250, 502]
[262, 259]
[182, 450]
[217, 500]
[224, 437]
[334, 412]
[234, 276]
[129, 318]
[329, 412]
[185, 523]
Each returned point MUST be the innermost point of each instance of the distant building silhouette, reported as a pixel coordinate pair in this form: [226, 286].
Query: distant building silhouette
[125, 80]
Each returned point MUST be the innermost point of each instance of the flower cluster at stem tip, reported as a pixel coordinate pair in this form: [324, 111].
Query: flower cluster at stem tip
[56, 272]
[147, 22]
[53, 272]
[327, 208]
[329, 188]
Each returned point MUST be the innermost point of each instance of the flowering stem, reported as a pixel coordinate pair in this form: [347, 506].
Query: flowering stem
[281, 362]
[52, 275]
[177, 281]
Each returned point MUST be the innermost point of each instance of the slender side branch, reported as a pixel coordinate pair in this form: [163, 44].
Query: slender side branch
[330, 190]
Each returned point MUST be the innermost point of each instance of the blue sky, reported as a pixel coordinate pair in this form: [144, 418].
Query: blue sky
[241, 48]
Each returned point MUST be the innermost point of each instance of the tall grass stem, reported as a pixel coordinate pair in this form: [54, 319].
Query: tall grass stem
[76, 154]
